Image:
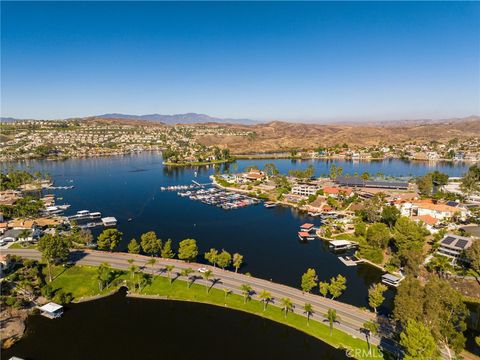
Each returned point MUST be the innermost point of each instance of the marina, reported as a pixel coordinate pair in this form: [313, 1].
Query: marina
[226, 200]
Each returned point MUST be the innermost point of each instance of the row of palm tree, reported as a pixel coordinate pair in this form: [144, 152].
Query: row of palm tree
[247, 291]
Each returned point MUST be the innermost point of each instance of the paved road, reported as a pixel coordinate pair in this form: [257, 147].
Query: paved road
[351, 318]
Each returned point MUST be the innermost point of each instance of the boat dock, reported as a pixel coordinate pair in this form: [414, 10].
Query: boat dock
[224, 199]
[350, 260]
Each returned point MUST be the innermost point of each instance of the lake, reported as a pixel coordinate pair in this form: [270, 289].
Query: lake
[121, 328]
[129, 187]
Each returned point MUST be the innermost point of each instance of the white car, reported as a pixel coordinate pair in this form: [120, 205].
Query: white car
[202, 270]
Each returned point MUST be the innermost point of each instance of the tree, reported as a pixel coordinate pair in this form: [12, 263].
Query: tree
[167, 252]
[133, 247]
[212, 256]
[408, 303]
[226, 292]
[389, 215]
[375, 295]
[473, 256]
[332, 318]
[109, 239]
[360, 229]
[224, 259]
[152, 262]
[270, 169]
[169, 269]
[151, 245]
[471, 180]
[337, 286]
[378, 235]
[309, 280]
[207, 274]
[54, 249]
[237, 261]
[369, 328]
[445, 314]
[265, 297]
[286, 304]
[441, 264]
[188, 250]
[186, 273]
[246, 292]
[409, 235]
[324, 288]
[104, 272]
[418, 342]
[308, 309]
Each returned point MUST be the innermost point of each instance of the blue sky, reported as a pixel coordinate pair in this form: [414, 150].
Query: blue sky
[262, 60]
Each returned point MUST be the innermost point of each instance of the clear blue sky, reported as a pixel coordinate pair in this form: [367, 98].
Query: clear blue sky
[274, 60]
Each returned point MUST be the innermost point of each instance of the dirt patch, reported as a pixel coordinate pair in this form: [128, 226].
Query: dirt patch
[12, 326]
[466, 287]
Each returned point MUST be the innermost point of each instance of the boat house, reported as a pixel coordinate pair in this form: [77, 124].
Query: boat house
[391, 280]
[341, 245]
[51, 310]
[109, 221]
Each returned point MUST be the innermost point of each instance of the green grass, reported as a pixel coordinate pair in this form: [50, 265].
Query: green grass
[197, 293]
[81, 281]
[18, 245]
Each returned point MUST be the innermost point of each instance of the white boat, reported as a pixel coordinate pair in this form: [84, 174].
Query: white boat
[91, 224]
[270, 204]
[83, 213]
[95, 215]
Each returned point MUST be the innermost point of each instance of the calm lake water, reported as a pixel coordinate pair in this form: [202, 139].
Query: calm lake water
[120, 328]
[129, 187]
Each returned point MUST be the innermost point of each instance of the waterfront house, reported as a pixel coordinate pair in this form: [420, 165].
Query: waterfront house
[453, 246]
[438, 211]
[51, 310]
[337, 192]
[304, 189]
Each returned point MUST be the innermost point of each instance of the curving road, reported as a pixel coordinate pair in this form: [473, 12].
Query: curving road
[351, 318]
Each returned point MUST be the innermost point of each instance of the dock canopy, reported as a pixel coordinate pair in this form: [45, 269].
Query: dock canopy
[51, 310]
[109, 221]
[340, 243]
[304, 234]
[306, 226]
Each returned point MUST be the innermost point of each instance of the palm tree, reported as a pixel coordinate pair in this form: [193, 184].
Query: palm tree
[308, 309]
[169, 269]
[368, 328]
[332, 318]
[287, 305]
[441, 264]
[266, 297]
[206, 276]
[226, 292]
[152, 262]
[246, 291]
[186, 273]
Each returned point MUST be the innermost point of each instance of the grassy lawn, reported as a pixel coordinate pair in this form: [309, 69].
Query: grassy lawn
[197, 293]
[19, 245]
[80, 281]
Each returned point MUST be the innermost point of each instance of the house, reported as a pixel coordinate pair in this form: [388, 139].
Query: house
[453, 246]
[5, 263]
[438, 211]
[336, 191]
[51, 310]
[304, 190]
[429, 221]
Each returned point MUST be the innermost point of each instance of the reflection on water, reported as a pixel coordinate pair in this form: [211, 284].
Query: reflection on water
[120, 328]
[129, 187]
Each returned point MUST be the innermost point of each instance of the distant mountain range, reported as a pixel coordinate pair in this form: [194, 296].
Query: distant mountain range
[189, 118]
